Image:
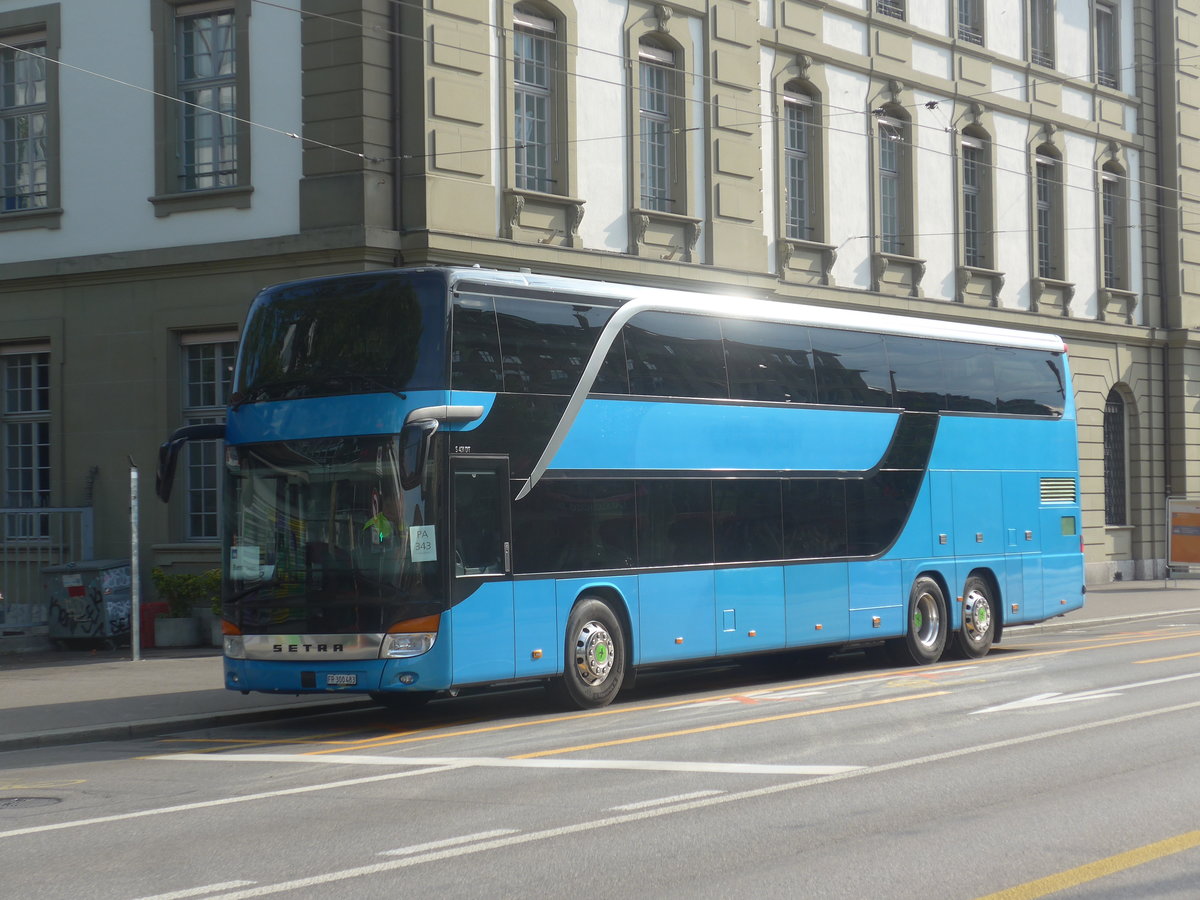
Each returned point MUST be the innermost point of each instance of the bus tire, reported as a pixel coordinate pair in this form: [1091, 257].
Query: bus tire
[594, 668]
[402, 701]
[925, 635]
[974, 639]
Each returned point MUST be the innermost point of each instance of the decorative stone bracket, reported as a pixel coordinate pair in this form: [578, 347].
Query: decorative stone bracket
[1116, 305]
[892, 273]
[543, 218]
[1050, 296]
[664, 235]
[806, 261]
[978, 287]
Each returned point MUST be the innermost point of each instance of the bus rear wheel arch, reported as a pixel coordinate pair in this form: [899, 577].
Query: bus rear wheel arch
[595, 656]
[974, 638]
[925, 634]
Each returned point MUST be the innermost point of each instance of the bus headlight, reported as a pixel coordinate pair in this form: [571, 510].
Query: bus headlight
[411, 637]
[399, 646]
[235, 646]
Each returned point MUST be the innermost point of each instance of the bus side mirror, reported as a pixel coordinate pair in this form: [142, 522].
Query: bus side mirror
[168, 453]
[415, 438]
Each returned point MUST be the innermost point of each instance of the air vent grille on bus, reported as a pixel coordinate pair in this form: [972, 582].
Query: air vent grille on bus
[1058, 490]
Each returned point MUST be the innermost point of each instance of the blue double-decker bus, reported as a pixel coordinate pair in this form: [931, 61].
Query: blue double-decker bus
[450, 477]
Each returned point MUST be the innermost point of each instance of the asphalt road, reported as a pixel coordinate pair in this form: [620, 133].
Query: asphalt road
[1063, 764]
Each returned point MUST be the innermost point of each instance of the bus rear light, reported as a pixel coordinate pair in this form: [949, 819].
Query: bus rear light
[411, 637]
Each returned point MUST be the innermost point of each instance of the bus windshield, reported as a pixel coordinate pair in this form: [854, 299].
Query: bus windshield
[323, 538]
[369, 333]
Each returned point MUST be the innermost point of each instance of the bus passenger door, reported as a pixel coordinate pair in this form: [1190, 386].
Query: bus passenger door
[482, 614]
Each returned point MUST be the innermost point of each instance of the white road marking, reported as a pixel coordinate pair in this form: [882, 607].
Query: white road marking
[198, 891]
[663, 801]
[634, 765]
[1097, 694]
[699, 803]
[449, 842]
[224, 801]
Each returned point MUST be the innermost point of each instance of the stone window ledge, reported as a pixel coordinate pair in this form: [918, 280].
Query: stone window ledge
[664, 235]
[213, 198]
[537, 217]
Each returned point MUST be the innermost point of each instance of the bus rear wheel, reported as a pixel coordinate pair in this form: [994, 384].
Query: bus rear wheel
[974, 639]
[925, 637]
[595, 657]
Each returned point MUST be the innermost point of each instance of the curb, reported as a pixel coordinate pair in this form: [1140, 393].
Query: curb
[58, 737]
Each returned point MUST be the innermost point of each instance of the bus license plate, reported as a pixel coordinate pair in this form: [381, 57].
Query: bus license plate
[339, 679]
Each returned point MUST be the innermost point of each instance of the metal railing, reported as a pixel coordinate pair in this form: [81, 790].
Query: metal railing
[31, 540]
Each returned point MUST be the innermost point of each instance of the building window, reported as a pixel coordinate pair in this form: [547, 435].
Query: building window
[892, 8]
[1114, 220]
[1107, 56]
[1041, 32]
[206, 55]
[207, 372]
[1115, 509]
[976, 202]
[970, 21]
[24, 118]
[25, 450]
[533, 108]
[801, 143]
[29, 168]
[203, 104]
[1049, 215]
[895, 185]
[656, 125]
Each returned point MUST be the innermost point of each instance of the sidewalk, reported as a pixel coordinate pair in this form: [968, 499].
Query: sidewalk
[68, 697]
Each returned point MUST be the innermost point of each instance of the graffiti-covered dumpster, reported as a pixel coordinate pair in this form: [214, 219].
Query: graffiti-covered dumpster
[89, 602]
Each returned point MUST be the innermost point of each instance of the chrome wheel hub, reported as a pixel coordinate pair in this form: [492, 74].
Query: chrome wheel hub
[593, 653]
[977, 616]
[927, 621]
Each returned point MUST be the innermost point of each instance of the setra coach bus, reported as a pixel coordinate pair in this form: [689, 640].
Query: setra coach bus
[448, 477]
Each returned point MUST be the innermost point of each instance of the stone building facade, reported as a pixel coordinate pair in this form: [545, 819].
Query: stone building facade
[1025, 163]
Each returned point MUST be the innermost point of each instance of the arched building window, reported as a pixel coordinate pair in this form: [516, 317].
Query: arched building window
[1115, 461]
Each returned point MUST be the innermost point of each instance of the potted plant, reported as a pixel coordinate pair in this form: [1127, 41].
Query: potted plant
[183, 591]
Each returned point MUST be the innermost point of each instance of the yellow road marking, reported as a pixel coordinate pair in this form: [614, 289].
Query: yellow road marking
[1052, 884]
[1142, 662]
[434, 732]
[723, 725]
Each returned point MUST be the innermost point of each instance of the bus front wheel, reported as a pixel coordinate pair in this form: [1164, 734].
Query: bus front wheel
[974, 638]
[595, 656]
[925, 637]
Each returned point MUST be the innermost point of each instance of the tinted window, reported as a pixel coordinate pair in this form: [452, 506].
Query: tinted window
[970, 377]
[614, 374]
[565, 526]
[876, 509]
[478, 504]
[675, 356]
[475, 359]
[814, 518]
[1029, 382]
[916, 366]
[769, 361]
[674, 522]
[851, 368]
[545, 345]
[747, 520]
[344, 335]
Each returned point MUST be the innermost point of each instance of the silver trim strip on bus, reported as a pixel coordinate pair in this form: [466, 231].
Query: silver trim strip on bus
[297, 647]
[445, 413]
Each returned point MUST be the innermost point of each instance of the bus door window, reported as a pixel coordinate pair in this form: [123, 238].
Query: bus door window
[481, 543]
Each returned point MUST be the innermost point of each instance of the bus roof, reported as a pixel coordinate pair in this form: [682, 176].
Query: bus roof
[746, 307]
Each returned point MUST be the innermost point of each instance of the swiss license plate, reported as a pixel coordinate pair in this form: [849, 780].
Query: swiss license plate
[341, 679]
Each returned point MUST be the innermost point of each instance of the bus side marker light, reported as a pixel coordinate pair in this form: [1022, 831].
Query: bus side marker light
[1016, 607]
[536, 654]
[876, 621]
[819, 626]
[979, 537]
[752, 634]
[679, 640]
